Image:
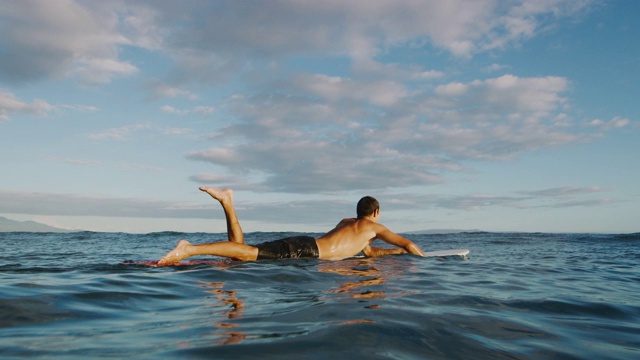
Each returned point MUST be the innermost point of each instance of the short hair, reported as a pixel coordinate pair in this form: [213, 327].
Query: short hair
[367, 206]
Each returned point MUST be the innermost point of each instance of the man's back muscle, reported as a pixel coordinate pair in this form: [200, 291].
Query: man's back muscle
[347, 239]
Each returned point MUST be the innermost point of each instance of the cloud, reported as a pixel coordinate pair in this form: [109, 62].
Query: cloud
[122, 133]
[202, 110]
[10, 105]
[171, 110]
[615, 123]
[131, 131]
[176, 131]
[319, 133]
[61, 39]
[288, 212]
[48, 204]
[85, 39]
[495, 67]
[73, 161]
[377, 125]
[357, 30]
[76, 205]
[564, 191]
[83, 108]
[166, 91]
[561, 197]
[100, 71]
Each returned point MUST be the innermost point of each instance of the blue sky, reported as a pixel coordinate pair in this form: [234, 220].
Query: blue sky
[478, 114]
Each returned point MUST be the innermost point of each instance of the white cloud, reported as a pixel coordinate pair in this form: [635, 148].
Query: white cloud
[202, 110]
[495, 67]
[100, 70]
[565, 191]
[84, 108]
[285, 212]
[10, 104]
[567, 196]
[452, 89]
[615, 123]
[367, 68]
[55, 39]
[376, 125]
[74, 161]
[171, 110]
[323, 133]
[77, 205]
[122, 133]
[51, 204]
[167, 91]
[177, 131]
[512, 93]
[335, 89]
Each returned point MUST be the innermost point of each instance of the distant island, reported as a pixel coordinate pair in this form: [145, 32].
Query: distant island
[8, 225]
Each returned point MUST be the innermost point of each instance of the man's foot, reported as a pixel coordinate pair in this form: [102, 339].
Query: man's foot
[175, 255]
[225, 196]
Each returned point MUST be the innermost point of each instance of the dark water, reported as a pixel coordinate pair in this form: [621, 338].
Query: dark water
[516, 296]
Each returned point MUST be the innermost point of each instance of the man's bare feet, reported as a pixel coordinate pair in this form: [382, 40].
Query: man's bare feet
[225, 196]
[175, 255]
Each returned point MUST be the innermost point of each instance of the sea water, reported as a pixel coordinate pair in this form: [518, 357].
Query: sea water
[515, 296]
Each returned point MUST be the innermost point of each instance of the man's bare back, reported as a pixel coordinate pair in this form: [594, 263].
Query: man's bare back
[347, 239]
[352, 236]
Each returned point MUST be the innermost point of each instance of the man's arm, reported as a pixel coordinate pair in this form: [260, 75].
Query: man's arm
[372, 251]
[392, 238]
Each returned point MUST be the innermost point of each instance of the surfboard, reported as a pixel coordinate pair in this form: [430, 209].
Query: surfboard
[154, 263]
[454, 252]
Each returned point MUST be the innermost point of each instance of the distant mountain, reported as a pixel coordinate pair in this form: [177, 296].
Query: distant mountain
[7, 225]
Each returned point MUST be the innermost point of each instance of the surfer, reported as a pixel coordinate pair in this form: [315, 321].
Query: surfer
[350, 237]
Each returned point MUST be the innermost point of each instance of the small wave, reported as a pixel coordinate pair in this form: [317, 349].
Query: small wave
[571, 308]
[26, 311]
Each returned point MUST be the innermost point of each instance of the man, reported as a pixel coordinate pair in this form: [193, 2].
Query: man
[348, 238]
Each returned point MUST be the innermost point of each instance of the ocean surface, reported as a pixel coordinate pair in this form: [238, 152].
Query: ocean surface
[515, 296]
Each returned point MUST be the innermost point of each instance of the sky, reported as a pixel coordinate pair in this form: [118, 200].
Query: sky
[517, 115]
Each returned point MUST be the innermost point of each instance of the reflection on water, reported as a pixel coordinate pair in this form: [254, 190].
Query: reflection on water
[367, 279]
[364, 280]
[233, 308]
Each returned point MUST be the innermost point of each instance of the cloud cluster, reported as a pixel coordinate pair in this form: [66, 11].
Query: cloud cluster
[60, 39]
[378, 125]
[207, 40]
[316, 133]
[289, 212]
[133, 131]
[10, 104]
[202, 110]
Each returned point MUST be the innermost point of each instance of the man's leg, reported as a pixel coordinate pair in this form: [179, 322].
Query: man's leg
[228, 249]
[225, 197]
[235, 248]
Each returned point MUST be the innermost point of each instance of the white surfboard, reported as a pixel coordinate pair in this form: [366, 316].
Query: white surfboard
[454, 252]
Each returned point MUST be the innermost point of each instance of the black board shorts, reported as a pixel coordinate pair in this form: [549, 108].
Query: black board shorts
[288, 248]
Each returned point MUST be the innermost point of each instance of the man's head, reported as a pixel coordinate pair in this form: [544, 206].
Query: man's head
[367, 206]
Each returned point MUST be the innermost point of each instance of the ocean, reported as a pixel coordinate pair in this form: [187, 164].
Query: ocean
[88, 295]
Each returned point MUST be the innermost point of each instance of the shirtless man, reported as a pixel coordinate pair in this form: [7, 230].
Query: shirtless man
[348, 238]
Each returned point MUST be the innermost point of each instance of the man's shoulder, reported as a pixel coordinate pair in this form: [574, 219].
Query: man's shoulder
[346, 221]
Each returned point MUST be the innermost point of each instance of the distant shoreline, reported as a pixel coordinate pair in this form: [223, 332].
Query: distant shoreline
[8, 225]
